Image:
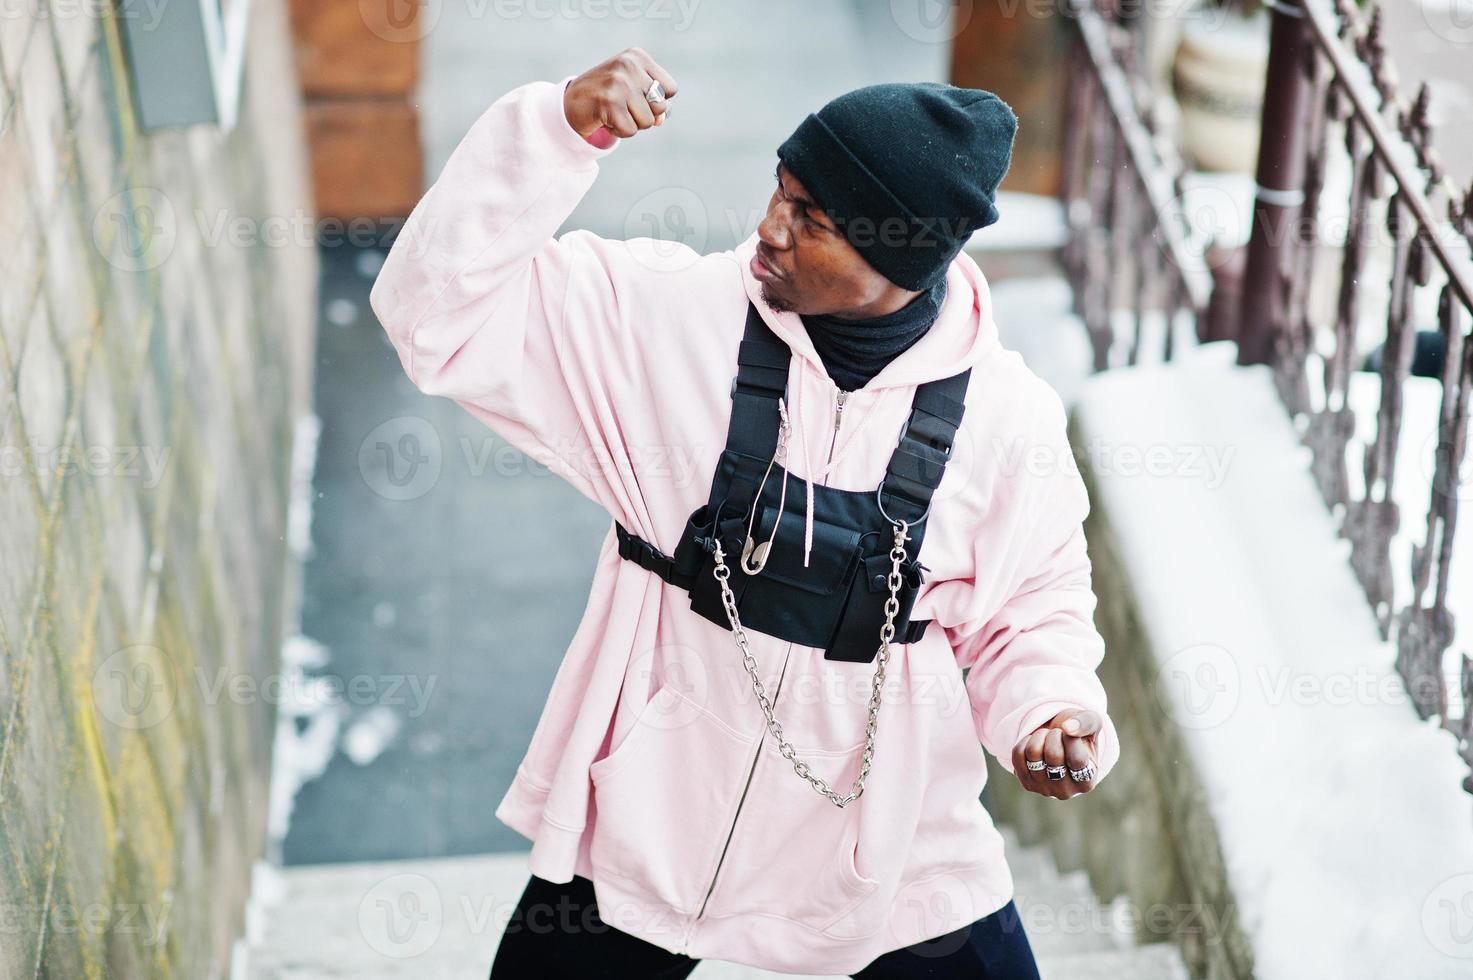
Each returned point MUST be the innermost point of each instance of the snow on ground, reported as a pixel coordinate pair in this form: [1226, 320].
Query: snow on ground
[1348, 838]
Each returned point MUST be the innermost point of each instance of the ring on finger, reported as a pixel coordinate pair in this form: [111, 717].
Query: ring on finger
[1036, 765]
[1083, 775]
[655, 94]
[1055, 772]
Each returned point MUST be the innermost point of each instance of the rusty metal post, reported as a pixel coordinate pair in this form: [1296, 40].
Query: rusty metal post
[1280, 192]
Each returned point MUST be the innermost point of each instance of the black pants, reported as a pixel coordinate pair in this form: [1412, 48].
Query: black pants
[556, 933]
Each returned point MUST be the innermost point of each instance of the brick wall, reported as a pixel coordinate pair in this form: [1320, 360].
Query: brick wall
[156, 318]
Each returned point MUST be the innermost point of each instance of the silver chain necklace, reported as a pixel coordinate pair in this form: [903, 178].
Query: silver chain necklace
[887, 633]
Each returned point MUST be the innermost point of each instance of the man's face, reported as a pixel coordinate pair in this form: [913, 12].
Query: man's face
[814, 269]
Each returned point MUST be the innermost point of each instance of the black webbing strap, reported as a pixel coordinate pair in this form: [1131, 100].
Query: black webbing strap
[912, 631]
[919, 460]
[645, 555]
[751, 435]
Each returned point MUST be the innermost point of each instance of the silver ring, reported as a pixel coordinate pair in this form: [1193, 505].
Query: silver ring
[1037, 766]
[1056, 772]
[1083, 775]
[655, 94]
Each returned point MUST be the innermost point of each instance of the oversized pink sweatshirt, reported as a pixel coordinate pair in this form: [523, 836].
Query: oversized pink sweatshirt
[651, 771]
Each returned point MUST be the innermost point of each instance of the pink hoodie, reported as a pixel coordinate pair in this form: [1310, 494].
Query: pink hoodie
[650, 771]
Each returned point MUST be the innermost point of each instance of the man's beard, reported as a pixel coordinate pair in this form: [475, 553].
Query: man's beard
[777, 305]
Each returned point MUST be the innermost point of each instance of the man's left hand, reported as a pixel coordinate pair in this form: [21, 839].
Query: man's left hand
[1067, 739]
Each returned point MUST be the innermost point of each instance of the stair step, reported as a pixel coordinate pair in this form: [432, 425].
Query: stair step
[1157, 961]
[328, 921]
[1065, 917]
[1029, 863]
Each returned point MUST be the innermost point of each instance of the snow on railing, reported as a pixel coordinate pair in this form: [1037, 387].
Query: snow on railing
[1132, 257]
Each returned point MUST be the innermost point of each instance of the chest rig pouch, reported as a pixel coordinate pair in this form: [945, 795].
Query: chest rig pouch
[837, 602]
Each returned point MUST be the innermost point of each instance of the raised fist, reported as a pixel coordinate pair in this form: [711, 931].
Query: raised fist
[612, 95]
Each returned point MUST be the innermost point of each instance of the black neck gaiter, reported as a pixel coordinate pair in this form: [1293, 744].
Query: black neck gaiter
[854, 351]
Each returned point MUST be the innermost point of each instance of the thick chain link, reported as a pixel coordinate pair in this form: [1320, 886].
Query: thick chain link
[887, 633]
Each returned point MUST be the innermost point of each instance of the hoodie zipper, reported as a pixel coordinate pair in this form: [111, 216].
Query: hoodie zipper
[838, 421]
[756, 756]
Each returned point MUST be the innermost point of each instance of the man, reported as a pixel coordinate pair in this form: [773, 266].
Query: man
[668, 824]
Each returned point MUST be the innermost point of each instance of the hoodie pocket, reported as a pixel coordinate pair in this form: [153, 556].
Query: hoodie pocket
[663, 798]
[793, 853]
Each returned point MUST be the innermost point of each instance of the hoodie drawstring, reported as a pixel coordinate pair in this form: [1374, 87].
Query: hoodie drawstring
[795, 419]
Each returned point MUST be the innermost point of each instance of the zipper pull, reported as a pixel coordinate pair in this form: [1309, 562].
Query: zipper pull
[839, 412]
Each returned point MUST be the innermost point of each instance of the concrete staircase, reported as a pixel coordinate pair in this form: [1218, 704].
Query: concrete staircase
[442, 918]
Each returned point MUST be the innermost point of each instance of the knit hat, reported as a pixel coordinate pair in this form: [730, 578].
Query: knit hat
[907, 171]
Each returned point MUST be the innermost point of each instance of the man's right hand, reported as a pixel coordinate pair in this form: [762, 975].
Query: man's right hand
[611, 95]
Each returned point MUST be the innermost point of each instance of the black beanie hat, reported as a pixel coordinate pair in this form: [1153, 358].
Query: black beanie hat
[907, 171]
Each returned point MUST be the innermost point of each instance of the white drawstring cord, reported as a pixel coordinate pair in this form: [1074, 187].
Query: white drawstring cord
[796, 420]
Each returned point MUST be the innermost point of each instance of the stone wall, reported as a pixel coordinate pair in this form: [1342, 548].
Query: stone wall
[1146, 832]
[157, 298]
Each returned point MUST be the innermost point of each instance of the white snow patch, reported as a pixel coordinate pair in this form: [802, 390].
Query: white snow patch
[307, 724]
[1025, 223]
[1347, 835]
[371, 733]
[305, 435]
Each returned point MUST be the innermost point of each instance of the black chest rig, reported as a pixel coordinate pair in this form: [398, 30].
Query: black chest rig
[837, 603]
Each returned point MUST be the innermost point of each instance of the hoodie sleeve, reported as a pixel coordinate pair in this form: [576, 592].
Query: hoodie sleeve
[485, 306]
[1037, 654]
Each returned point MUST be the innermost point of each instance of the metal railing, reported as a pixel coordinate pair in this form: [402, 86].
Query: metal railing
[1128, 252]
[1408, 229]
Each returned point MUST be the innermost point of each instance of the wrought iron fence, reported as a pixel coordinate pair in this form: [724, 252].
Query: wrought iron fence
[1331, 91]
[1128, 254]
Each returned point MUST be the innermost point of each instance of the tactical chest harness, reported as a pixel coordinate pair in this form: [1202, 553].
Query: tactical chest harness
[860, 583]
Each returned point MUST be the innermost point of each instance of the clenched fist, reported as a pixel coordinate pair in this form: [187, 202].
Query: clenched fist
[612, 95]
[1067, 739]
